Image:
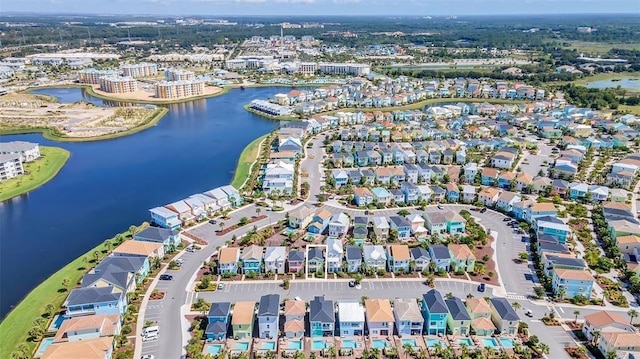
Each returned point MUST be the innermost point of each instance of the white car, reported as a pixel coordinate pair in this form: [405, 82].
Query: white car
[147, 356]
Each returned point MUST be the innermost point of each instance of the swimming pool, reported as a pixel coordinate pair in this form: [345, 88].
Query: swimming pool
[489, 343]
[241, 346]
[318, 344]
[268, 346]
[506, 342]
[379, 343]
[411, 342]
[288, 230]
[45, 343]
[465, 341]
[214, 349]
[348, 343]
[294, 345]
[432, 343]
[57, 321]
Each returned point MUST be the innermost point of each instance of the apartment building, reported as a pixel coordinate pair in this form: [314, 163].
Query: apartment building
[118, 84]
[144, 69]
[179, 89]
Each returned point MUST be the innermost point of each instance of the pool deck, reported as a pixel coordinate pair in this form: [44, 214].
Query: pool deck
[231, 344]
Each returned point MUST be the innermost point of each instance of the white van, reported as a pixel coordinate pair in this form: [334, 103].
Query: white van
[152, 331]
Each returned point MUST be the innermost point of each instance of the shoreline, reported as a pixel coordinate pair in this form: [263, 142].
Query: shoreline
[236, 181]
[51, 134]
[62, 156]
[248, 108]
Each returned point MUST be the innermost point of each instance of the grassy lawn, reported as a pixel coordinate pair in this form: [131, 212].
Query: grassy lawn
[606, 76]
[247, 158]
[630, 109]
[16, 325]
[40, 172]
[600, 48]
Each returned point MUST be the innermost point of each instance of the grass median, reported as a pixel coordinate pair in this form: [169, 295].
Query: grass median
[39, 172]
[248, 156]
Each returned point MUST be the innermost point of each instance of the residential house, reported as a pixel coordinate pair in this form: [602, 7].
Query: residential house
[552, 261]
[538, 210]
[220, 197]
[242, 319]
[362, 196]
[503, 315]
[185, 215]
[95, 301]
[629, 245]
[458, 320]
[322, 317]
[554, 227]
[462, 259]
[489, 176]
[401, 226]
[480, 313]
[218, 321]
[350, 319]
[375, 257]
[381, 227]
[605, 322]
[381, 195]
[453, 193]
[139, 248]
[398, 258]
[165, 218]
[335, 254]
[435, 222]
[251, 259]
[420, 258]
[96, 348]
[295, 261]
[88, 327]
[268, 316]
[136, 265]
[275, 259]
[441, 257]
[455, 222]
[301, 217]
[488, 196]
[506, 200]
[169, 238]
[294, 318]
[578, 190]
[623, 227]
[408, 318]
[468, 194]
[338, 225]
[228, 258]
[353, 257]
[233, 196]
[435, 313]
[379, 316]
[574, 282]
[315, 259]
[320, 222]
[624, 345]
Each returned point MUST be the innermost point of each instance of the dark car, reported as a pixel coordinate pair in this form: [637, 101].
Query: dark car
[440, 206]
[506, 219]
[481, 287]
[213, 221]
[166, 277]
[352, 283]
[484, 209]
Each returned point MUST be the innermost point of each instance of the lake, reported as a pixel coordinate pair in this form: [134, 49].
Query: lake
[106, 186]
[625, 83]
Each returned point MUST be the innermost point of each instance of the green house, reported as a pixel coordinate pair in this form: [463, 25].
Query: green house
[458, 320]
[242, 319]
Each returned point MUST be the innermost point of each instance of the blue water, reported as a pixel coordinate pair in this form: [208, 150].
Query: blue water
[318, 344]
[379, 343]
[411, 342]
[465, 341]
[489, 342]
[214, 349]
[57, 321]
[241, 346]
[297, 345]
[348, 343]
[45, 343]
[627, 83]
[432, 343]
[506, 342]
[106, 186]
[268, 345]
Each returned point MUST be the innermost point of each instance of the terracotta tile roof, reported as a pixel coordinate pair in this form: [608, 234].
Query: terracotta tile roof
[628, 239]
[543, 207]
[573, 274]
[489, 192]
[243, 313]
[489, 172]
[228, 255]
[294, 326]
[106, 324]
[482, 323]
[378, 310]
[138, 247]
[622, 341]
[399, 252]
[461, 251]
[85, 349]
[362, 191]
[603, 318]
[478, 305]
[294, 307]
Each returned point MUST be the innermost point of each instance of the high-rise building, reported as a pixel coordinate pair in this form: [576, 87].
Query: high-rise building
[179, 89]
[143, 69]
[92, 76]
[178, 75]
[118, 84]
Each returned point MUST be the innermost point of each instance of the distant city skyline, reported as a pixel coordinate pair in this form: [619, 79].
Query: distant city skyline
[322, 7]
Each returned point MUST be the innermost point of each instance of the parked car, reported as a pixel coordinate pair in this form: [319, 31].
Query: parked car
[220, 285]
[213, 221]
[166, 277]
[440, 207]
[190, 249]
[147, 356]
[481, 287]
[506, 219]
[352, 283]
[484, 209]
[528, 312]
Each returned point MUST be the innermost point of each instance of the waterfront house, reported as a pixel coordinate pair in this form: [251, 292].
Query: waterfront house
[275, 259]
[295, 261]
[96, 348]
[575, 282]
[409, 320]
[458, 320]
[315, 259]
[220, 197]
[435, 312]
[228, 258]
[169, 238]
[197, 207]
[353, 257]
[116, 278]
[95, 300]
[165, 218]
[294, 318]
[379, 316]
[322, 317]
[503, 315]
[440, 256]
[136, 265]
[242, 319]
[605, 322]
[374, 257]
[398, 258]
[138, 248]
[251, 259]
[350, 319]
[268, 316]
[88, 327]
[480, 313]
[462, 259]
[335, 254]
[301, 217]
[233, 196]
[218, 321]
[420, 258]
[185, 215]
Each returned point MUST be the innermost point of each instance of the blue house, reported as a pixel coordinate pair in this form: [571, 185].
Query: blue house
[553, 227]
[401, 225]
[251, 258]
[575, 282]
[95, 300]
[167, 237]
[440, 256]
[165, 218]
[322, 317]
[435, 313]
[340, 177]
[218, 321]
[578, 190]
[233, 195]
[453, 193]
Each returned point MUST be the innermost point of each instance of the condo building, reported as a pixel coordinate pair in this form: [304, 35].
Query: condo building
[179, 89]
[144, 69]
[92, 76]
[178, 75]
[118, 84]
[344, 69]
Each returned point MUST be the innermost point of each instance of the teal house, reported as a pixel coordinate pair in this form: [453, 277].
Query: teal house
[322, 317]
[251, 259]
[435, 312]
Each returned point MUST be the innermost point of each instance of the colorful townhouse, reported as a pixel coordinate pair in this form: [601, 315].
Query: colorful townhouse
[95, 301]
[441, 257]
[350, 319]
[275, 259]
[398, 258]
[480, 313]
[462, 259]
[553, 227]
[228, 258]
[218, 321]
[322, 317]
[294, 318]
[242, 319]
[605, 322]
[379, 315]
[269, 316]
[409, 320]
[574, 282]
[458, 320]
[503, 315]
[251, 259]
[435, 313]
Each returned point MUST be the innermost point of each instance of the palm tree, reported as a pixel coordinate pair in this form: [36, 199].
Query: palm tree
[516, 305]
[576, 313]
[544, 348]
[611, 355]
[65, 283]
[221, 224]
[258, 210]
[632, 314]
[107, 245]
[595, 336]
[408, 350]
[133, 230]
[561, 292]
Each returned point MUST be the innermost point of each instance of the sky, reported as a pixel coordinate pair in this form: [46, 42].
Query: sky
[321, 7]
